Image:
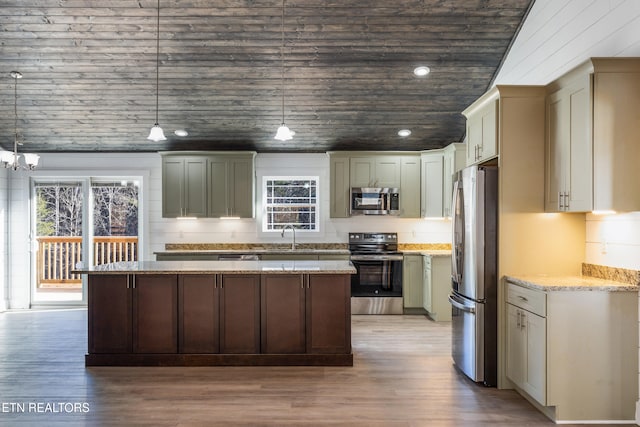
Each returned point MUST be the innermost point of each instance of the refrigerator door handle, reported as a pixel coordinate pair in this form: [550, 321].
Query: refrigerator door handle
[458, 233]
[461, 306]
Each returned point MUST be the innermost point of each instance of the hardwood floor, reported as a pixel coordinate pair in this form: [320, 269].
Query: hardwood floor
[402, 376]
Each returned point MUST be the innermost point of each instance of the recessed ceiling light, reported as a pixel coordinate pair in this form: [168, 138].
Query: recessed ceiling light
[404, 132]
[181, 132]
[421, 71]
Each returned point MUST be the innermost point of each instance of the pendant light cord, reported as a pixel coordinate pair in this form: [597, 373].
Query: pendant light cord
[15, 113]
[282, 61]
[157, 62]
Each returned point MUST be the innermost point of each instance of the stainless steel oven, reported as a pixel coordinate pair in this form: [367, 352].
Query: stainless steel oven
[377, 286]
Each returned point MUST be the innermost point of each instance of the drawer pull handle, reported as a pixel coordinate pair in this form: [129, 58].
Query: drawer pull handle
[523, 298]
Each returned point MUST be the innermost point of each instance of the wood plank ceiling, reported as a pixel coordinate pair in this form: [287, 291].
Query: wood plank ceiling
[89, 72]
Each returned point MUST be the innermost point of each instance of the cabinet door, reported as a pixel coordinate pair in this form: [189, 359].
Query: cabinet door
[474, 138]
[218, 187]
[339, 187]
[412, 281]
[155, 313]
[240, 314]
[362, 171]
[432, 185]
[427, 284]
[109, 307]
[579, 185]
[453, 159]
[516, 347]
[198, 314]
[489, 147]
[387, 171]
[410, 187]
[328, 314]
[535, 382]
[241, 197]
[557, 134]
[195, 186]
[283, 314]
[172, 187]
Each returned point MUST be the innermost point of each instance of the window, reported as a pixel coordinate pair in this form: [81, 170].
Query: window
[290, 200]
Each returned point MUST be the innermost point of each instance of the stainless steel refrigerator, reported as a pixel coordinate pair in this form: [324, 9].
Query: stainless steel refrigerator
[474, 273]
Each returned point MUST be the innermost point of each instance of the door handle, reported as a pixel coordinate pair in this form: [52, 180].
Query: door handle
[461, 306]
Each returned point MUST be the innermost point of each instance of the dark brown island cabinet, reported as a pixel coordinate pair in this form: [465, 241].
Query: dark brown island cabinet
[219, 319]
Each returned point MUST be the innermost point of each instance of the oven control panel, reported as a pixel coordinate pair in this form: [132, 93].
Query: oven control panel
[373, 238]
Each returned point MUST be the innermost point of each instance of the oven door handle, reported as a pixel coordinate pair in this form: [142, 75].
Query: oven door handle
[376, 258]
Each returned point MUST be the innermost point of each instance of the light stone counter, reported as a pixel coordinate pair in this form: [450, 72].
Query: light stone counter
[430, 252]
[570, 283]
[259, 251]
[226, 267]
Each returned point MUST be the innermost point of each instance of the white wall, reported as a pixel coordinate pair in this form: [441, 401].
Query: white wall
[165, 230]
[3, 240]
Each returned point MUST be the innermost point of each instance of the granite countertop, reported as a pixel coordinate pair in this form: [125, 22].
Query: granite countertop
[430, 252]
[227, 267]
[570, 283]
[256, 251]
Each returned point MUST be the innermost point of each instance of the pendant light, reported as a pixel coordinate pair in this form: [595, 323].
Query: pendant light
[156, 133]
[7, 158]
[283, 133]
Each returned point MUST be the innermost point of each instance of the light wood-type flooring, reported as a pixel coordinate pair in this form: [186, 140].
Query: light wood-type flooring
[402, 376]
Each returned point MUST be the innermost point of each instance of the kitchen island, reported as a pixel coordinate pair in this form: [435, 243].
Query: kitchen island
[205, 313]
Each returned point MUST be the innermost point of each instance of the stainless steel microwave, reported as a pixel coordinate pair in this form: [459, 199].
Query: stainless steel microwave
[375, 201]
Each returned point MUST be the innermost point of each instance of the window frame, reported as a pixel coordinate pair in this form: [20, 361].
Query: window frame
[265, 205]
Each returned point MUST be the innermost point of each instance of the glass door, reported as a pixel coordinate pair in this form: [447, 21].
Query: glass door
[58, 239]
[77, 220]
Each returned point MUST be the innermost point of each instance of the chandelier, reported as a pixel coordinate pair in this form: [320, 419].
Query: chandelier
[10, 159]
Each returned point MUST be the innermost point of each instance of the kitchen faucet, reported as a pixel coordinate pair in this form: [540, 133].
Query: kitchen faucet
[293, 230]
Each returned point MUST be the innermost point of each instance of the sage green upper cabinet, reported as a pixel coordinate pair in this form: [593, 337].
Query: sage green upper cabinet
[230, 182]
[431, 200]
[375, 171]
[410, 186]
[184, 189]
[482, 130]
[592, 148]
[453, 160]
[339, 186]
[568, 180]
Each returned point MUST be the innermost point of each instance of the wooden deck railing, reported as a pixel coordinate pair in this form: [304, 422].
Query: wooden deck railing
[57, 256]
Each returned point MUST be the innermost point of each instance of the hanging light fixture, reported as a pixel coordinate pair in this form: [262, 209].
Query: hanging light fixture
[156, 133]
[7, 158]
[283, 133]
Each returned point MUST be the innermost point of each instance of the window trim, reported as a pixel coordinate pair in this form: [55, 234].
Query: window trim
[266, 178]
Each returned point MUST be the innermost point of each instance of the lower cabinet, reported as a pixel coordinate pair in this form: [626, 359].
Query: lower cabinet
[574, 351]
[437, 285]
[306, 314]
[133, 314]
[412, 281]
[526, 351]
[239, 316]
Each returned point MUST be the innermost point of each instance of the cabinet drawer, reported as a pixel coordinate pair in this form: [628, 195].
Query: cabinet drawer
[527, 299]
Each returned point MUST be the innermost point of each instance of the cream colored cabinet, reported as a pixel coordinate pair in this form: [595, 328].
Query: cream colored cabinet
[453, 160]
[184, 186]
[230, 186]
[412, 281]
[410, 186]
[339, 191]
[482, 131]
[436, 286]
[591, 140]
[526, 351]
[375, 171]
[562, 345]
[432, 184]
[569, 181]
